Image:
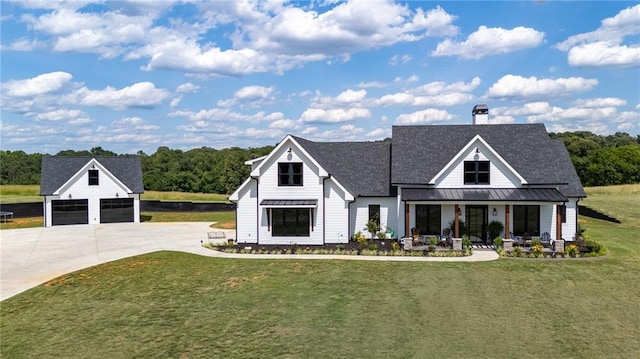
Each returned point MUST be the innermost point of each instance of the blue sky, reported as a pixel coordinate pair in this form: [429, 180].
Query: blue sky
[136, 75]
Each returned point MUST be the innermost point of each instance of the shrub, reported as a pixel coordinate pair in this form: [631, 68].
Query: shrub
[572, 251]
[537, 250]
[593, 247]
[433, 241]
[535, 242]
[466, 242]
[498, 241]
[495, 228]
[517, 252]
[382, 235]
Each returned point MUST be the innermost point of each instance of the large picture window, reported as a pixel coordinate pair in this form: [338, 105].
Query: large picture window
[526, 219]
[290, 174]
[428, 218]
[93, 178]
[291, 222]
[476, 172]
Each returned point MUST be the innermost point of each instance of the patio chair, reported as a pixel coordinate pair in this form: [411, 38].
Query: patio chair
[546, 239]
[446, 236]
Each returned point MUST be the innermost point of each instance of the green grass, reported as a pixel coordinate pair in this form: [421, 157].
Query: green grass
[20, 194]
[225, 220]
[169, 304]
[183, 196]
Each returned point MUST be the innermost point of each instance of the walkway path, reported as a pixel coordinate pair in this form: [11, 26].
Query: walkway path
[32, 256]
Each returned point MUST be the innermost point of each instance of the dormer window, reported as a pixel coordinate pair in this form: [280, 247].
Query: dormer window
[93, 178]
[290, 174]
[476, 172]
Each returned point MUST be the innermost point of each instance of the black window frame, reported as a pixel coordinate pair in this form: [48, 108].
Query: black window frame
[374, 213]
[290, 222]
[530, 221]
[431, 225]
[290, 174]
[474, 172]
[94, 178]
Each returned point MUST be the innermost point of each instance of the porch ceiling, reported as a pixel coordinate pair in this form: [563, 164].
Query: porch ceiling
[483, 194]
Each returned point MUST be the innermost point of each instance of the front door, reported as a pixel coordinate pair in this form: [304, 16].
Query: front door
[477, 218]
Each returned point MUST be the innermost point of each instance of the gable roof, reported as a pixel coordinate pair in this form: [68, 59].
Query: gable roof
[363, 168]
[421, 152]
[57, 170]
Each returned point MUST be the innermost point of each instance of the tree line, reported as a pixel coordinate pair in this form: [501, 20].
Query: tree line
[599, 161]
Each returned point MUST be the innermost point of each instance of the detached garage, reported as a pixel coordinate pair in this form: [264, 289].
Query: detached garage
[91, 190]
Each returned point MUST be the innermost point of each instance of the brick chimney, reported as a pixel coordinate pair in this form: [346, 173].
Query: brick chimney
[480, 115]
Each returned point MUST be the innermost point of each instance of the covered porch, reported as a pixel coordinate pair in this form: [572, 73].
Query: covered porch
[525, 213]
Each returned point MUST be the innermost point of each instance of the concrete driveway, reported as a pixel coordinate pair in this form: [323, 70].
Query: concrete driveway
[32, 256]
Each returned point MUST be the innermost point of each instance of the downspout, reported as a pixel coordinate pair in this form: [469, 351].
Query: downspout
[349, 220]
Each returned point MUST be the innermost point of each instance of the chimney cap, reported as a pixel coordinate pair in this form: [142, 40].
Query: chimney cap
[480, 109]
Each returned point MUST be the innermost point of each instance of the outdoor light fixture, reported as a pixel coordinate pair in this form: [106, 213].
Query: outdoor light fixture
[289, 150]
[459, 212]
[495, 212]
[69, 195]
[93, 166]
[117, 195]
[477, 150]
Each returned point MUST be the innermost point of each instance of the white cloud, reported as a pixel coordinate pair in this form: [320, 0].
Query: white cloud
[433, 94]
[39, 85]
[316, 115]
[62, 114]
[600, 102]
[24, 44]
[400, 59]
[490, 41]
[350, 96]
[604, 54]
[141, 94]
[283, 124]
[502, 120]
[514, 86]
[605, 45]
[187, 87]
[427, 116]
[257, 95]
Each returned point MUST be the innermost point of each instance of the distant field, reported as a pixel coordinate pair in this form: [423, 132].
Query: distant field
[20, 193]
[31, 193]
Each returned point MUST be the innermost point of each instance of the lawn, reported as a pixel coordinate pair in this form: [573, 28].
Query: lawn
[169, 304]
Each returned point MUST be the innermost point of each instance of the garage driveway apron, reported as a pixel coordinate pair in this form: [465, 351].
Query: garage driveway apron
[32, 256]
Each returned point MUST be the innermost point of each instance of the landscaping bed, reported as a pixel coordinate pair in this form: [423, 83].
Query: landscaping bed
[368, 248]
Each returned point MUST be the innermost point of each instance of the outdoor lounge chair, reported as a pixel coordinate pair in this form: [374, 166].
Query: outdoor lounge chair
[546, 239]
[526, 239]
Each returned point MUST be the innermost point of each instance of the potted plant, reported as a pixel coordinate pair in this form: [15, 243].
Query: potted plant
[372, 227]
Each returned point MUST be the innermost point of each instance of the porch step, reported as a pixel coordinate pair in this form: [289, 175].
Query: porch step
[482, 246]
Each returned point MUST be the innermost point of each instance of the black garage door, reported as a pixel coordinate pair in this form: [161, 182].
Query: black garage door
[71, 211]
[116, 210]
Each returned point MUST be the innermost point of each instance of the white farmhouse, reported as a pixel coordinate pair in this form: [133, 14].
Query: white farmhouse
[425, 179]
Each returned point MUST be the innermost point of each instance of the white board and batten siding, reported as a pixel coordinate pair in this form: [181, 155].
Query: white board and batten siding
[246, 212]
[311, 189]
[359, 214]
[500, 175]
[336, 213]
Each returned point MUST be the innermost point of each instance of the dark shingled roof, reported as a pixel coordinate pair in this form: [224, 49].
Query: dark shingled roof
[421, 152]
[363, 168]
[57, 170]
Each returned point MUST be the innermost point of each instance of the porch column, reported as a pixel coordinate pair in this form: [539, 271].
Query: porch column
[558, 222]
[507, 231]
[406, 221]
[456, 220]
